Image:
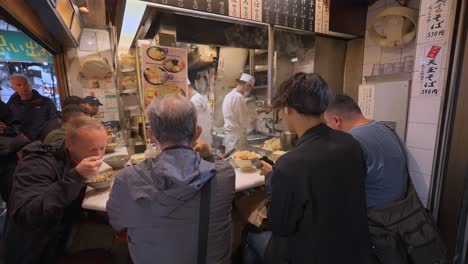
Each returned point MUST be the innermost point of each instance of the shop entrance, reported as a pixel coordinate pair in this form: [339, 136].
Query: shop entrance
[19, 54]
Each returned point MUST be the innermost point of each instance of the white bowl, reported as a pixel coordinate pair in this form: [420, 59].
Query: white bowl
[117, 161]
[245, 164]
[100, 185]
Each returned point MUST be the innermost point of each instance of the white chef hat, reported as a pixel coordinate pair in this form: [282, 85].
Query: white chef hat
[247, 78]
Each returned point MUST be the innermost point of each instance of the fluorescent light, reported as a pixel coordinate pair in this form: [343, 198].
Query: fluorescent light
[295, 59]
[134, 10]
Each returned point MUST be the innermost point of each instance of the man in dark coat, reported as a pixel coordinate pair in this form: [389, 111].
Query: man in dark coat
[47, 192]
[37, 113]
[11, 141]
[315, 193]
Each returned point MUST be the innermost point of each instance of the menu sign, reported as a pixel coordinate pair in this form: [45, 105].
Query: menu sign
[436, 20]
[298, 14]
[430, 70]
[164, 71]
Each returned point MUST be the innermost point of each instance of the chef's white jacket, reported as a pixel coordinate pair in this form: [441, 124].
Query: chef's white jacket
[236, 118]
[204, 120]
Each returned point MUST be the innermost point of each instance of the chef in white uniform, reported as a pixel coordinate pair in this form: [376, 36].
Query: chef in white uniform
[236, 113]
[201, 104]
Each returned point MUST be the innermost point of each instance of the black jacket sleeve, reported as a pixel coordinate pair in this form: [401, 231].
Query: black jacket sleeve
[285, 208]
[38, 197]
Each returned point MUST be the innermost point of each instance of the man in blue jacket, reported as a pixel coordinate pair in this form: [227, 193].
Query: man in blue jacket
[34, 111]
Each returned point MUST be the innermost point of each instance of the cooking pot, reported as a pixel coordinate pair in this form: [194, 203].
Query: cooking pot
[288, 140]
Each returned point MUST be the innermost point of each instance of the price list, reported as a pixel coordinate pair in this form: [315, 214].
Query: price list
[297, 14]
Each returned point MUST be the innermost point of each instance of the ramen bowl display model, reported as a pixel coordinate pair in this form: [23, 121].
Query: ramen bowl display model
[157, 53]
[102, 181]
[156, 75]
[173, 65]
[245, 160]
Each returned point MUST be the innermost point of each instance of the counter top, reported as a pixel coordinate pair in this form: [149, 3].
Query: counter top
[97, 200]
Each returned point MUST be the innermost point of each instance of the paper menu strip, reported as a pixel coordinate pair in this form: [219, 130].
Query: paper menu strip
[366, 100]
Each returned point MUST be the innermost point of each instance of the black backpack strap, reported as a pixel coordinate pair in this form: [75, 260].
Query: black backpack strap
[204, 221]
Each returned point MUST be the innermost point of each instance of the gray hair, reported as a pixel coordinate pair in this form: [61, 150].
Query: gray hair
[74, 125]
[173, 119]
[19, 75]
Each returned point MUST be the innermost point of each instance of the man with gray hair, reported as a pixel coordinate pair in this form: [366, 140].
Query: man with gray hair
[36, 113]
[176, 207]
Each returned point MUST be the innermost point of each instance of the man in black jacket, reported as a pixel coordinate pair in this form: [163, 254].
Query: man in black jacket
[47, 192]
[315, 193]
[37, 113]
[11, 141]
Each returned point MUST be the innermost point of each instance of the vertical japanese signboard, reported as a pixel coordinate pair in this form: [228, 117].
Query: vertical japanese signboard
[298, 14]
[430, 70]
[436, 19]
[164, 71]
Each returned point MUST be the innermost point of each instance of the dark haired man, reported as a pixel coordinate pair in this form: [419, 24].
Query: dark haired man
[387, 175]
[315, 193]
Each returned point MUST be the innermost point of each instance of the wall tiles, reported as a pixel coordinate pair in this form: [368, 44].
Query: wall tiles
[420, 160]
[425, 109]
[409, 50]
[372, 55]
[390, 55]
[414, 4]
[422, 183]
[367, 70]
[421, 136]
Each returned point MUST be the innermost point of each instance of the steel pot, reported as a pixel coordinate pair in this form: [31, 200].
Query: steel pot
[288, 140]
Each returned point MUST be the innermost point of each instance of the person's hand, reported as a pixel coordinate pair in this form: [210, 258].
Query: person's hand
[89, 167]
[266, 168]
[2, 127]
[203, 148]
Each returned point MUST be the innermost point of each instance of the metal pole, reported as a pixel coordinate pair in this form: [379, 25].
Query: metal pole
[271, 52]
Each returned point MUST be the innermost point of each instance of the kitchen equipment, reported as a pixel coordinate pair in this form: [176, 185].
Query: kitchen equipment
[288, 140]
[246, 165]
[117, 161]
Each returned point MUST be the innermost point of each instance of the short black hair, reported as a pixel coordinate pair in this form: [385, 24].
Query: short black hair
[73, 110]
[307, 93]
[72, 100]
[344, 105]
